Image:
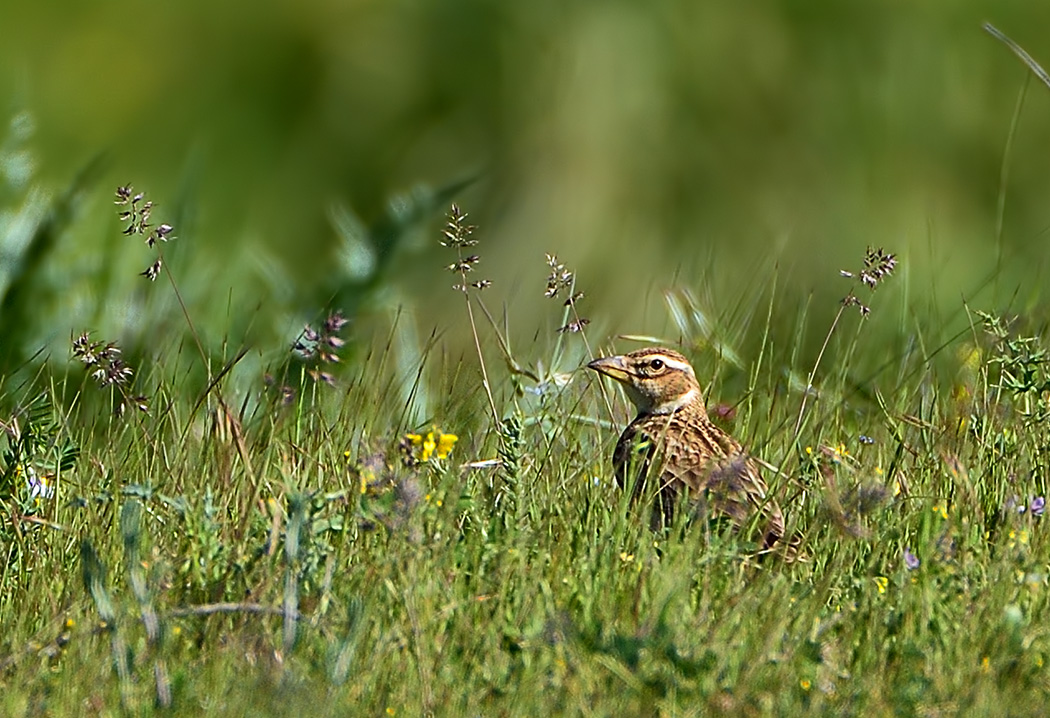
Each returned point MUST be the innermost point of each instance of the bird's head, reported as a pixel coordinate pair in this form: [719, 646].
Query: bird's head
[657, 380]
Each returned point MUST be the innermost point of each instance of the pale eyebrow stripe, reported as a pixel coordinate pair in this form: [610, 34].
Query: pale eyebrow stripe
[674, 363]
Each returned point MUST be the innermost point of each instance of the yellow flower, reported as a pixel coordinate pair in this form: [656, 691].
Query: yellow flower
[1018, 538]
[804, 684]
[985, 665]
[942, 510]
[428, 447]
[367, 477]
[626, 557]
[881, 582]
[809, 450]
[445, 444]
[433, 444]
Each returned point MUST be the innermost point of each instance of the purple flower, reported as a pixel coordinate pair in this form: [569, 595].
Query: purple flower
[1037, 505]
[911, 561]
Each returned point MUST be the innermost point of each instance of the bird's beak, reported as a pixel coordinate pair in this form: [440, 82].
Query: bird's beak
[612, 367]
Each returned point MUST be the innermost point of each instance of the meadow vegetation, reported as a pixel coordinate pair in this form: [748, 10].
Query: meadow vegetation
[406, 506]
[316, 544]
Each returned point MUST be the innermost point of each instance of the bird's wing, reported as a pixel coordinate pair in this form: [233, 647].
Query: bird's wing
[709, 463]
[718, 471]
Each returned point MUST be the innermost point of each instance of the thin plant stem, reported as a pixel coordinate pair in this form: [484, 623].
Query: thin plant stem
[813, 373]
[481, 356]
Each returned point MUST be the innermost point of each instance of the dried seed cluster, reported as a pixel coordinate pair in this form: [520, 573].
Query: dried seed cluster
[136, 213]
[323, 344]
[458, 235]
[562, 279]
[108, 368]
[878, 265]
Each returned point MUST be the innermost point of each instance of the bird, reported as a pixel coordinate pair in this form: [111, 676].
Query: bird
[673, 442]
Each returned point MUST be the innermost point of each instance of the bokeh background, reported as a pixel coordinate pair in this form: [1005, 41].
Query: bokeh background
[306, 151]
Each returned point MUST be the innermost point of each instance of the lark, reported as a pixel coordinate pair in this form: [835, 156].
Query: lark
[672, 441]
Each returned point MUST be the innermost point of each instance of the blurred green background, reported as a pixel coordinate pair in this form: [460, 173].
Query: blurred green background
[707, 145]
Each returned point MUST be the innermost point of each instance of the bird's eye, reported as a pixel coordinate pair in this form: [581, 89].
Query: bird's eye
[656, 364]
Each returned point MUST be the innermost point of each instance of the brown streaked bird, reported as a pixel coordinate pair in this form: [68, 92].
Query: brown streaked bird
[673, 440]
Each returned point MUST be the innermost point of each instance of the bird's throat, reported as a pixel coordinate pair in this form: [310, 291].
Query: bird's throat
[677, 403]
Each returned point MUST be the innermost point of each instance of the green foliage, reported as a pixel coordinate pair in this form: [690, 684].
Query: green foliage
[275, 532]
[298, 557]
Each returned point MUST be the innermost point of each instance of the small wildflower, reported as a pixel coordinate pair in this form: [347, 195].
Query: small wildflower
[865, 439]
[911, 561]
[837, 454]
[445, 443]
[428, 446]
[804, 684]
[881, 583]
[809, 451]
[434, 444]
[366, 478]
[1037, 505]
[626, 557]
[985, 664]
[39, 487]
[942, 510]
[725, 412]
[372, 471]
[1018, 538]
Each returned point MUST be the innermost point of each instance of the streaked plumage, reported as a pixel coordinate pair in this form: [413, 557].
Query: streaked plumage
[673, 440]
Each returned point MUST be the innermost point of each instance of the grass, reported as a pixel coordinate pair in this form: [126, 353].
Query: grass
[285, 550]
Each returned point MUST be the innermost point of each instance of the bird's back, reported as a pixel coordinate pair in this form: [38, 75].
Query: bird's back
[684, 450]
